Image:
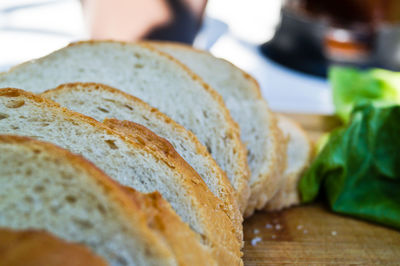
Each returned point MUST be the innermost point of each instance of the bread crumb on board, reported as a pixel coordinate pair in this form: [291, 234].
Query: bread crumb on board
[255, 240]
[299, 227]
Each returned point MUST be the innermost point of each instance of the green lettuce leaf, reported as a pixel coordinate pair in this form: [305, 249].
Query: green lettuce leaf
[352, 87]
[358, 169]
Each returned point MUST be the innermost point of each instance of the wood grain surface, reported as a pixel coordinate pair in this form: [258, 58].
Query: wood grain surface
[312, 235]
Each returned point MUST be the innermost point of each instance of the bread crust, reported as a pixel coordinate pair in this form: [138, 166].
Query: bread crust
[230, 205]
[35, 248]
[219, 230]
[268, 182]
[185, 244]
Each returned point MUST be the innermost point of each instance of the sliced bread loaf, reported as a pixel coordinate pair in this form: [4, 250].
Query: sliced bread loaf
[157, 79]
[127, 161]
[37, 248]
[100, 102]
[299, 153]
[242, 96]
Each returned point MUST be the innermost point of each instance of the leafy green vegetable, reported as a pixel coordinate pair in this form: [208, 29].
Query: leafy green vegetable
[352, 87]
[358, 170]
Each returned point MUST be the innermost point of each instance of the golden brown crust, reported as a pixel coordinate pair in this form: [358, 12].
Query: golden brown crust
[218, 228]
[153, 142]
[37, 248]
[182, 240]
[268, 182]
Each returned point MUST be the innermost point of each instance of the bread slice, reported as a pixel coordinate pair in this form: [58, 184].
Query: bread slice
[100, 102]
[299, 154]
[129, 162]
[45, 187]
[35, 248]
[242, 96]
[157, 79]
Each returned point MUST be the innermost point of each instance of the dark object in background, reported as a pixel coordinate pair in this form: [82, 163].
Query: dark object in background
[314, 34]
[132, 20]
[184, 25]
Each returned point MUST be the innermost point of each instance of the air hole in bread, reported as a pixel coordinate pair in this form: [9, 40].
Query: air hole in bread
[45, 124]
[137, 55]
[101, 209]
[103, 110]
[129, 107]
[205, 114]
[38, 188]
[66, 176]
[3, 116]
[121, 261]
[15, 104]
[14, 127]
[28, 199]
[82, 223]
[204, 240]
[208, 148]
[109, 100]
[138, 66]
[111, 144]
[28, 172]
[54, 209]
[71, 199]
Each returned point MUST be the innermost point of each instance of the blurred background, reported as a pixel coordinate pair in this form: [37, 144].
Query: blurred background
[286, 45]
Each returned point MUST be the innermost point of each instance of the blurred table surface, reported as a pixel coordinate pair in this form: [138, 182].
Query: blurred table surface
[312, 235]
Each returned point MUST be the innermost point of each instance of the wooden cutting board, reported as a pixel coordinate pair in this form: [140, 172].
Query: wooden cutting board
[312, 235]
